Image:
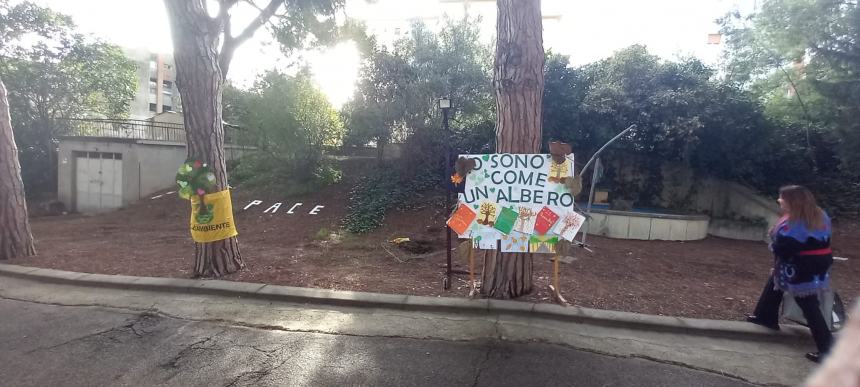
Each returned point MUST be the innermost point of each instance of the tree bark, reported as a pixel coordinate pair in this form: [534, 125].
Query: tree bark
[518, 81]
[16, 240]
[200, 80]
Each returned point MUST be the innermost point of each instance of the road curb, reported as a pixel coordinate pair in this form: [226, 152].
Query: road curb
[574, 314]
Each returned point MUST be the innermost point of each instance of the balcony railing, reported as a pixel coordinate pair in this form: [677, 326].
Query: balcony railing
[134, 129]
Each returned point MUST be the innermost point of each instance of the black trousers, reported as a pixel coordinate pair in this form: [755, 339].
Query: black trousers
[767, 310]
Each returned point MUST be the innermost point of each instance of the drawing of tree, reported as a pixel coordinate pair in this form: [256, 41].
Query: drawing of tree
[558, 171]
[488, 210]
[526, 215]
[569, 221]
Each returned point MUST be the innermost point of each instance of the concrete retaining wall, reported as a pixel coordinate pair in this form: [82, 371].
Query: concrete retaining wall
[732, 229]
[645, 226]
[726, 202]
[722, 200]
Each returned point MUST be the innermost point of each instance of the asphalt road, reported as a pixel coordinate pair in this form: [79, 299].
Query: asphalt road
[50, 345]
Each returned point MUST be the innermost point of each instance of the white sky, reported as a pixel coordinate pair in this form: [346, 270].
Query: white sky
[585, 30]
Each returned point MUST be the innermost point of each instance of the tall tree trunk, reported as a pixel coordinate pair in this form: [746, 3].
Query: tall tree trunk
[15, 237]
[200, 81]
[518, 81]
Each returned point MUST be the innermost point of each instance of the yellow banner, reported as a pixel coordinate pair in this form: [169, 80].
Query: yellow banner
[215, 223]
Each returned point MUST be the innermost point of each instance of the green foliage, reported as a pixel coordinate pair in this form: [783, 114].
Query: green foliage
[26, 17]
[290, 118]
[290, 122]
[681, 114]
[565, 89]
[396, 102]
[306, 23]
[52, 75]
[323, 234]
[263, 173]
[687, 116]
[739, 124]
[398, 89]
[382, 189]
[802, 57]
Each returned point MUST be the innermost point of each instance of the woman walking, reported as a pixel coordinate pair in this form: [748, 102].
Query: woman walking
[800, 242]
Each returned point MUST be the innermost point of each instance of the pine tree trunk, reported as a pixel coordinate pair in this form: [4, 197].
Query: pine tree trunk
[15, 237]
[518, 81]
[200, 82]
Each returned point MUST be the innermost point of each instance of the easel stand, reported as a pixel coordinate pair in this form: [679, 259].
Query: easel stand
[449, 270]
[473, 288]
[555, 288]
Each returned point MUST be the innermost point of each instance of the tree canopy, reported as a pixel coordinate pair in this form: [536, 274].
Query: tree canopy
[52, 73]
[682, 114]
[396, 96]
[802, 59]
[291, 123]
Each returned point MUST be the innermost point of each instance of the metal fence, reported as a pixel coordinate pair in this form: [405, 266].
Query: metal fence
[141, 130]
[132, 129]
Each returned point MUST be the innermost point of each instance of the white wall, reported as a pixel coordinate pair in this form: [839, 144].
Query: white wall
[66, 166]
[158, 163]
[148, 166]
[642, 226]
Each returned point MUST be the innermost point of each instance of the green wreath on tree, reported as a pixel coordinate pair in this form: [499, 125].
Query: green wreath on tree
[195, 178]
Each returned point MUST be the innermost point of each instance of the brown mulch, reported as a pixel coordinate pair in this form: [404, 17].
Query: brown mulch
[713, 278]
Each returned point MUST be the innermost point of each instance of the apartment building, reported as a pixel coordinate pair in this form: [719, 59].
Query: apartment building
[156, 91]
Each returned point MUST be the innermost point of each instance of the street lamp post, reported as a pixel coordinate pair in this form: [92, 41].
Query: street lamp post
[445, 105]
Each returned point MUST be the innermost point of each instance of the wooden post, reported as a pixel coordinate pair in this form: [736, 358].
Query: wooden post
[473, 287]
[555, 287]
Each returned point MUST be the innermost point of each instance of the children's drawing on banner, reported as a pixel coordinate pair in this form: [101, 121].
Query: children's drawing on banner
[545, 244]
[569, 224]
[462, 219]
[558, 172]
[526, 219]
[514, 197]
[485, 240]
[487, 213]
[546, 218]
[472, 230]
[515, 242]
[505, 221]
[561, 166]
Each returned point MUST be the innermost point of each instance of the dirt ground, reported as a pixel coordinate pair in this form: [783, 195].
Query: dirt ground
[713, 278]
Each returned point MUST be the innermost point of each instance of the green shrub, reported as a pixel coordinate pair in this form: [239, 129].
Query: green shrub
[383, 189]
[272, 175]
[323, 234]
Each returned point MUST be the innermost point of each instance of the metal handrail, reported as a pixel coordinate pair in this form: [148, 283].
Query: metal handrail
[130, 129]
[135, 130]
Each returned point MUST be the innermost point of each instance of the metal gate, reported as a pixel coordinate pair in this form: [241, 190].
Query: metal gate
[98, 181]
